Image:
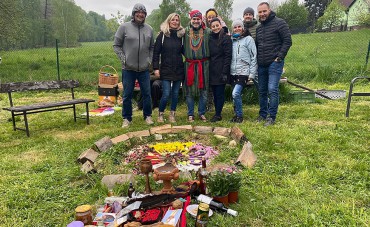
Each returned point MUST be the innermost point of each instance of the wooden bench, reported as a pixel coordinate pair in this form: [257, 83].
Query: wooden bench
[45, 106]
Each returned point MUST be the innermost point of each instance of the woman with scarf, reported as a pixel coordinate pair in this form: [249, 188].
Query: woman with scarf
[243, 65]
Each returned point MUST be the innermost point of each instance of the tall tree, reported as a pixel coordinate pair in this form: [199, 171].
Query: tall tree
[10, 24]
[174, 6]
[295, 14]
[315, 9]
[332, 16]
[225, 10]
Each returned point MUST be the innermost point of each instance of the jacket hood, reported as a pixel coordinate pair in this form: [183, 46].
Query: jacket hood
[248, 24]
[138, 7]
[180, 31]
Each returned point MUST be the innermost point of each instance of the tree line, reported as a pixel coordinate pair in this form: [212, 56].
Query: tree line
[38, 23]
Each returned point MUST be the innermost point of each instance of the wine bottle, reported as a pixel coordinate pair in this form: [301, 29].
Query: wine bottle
[202, 177]
[130, 190]
[215, 205]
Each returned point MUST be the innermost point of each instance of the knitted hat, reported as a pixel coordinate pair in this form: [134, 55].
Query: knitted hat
[211, 12]
[238, 22]
[138, 7]
[248, 10]
[195, 13]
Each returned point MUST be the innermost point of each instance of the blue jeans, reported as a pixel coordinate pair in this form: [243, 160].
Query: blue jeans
[128, 79]
[268, 88]
[202, 103]
[237, 100]
[167, 91]
[218, 98]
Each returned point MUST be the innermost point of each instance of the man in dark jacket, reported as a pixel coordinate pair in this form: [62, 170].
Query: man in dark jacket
[273, 40]
[133, 44]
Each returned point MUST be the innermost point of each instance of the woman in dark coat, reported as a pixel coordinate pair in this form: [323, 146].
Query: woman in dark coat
[220, 48]
[168, 48]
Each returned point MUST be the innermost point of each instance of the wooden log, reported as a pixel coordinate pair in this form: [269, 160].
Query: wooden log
[121, 138]
[89, 154]
[246, 157]
[161, 129]
[88, 167]
[103, 144]
[181, 128]
[203, 129]
[138, 134]
[238, 135]
[222, 131]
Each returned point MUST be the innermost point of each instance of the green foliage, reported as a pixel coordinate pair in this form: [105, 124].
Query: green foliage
[294, 13]
[217, 183]
[315, 9]
[364, 19]
[224, 8]
[332, 16]
[235, 181]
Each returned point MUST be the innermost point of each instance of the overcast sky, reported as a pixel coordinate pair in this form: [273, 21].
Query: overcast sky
[108, 7]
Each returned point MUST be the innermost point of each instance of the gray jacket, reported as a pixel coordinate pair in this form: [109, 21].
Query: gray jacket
[244, 58]
[133, 44]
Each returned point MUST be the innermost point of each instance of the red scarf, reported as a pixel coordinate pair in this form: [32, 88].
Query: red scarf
[191, 69]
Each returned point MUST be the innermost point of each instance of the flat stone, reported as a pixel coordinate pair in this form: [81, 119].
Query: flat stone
[203, 129]
[111, 180]
[181, 128]
[220, 137]
[161, 129]
[138, 134]
[88, 167]
[246, 157]
[238, 135]
[103, 144]
[222, 131]
[121, 138]
[89, 154]
[158, 136]
[232, 143]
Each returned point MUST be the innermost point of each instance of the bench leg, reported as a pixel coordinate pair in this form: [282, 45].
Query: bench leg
[87, 114]
[13, 119]
[349, 99]
[26, 123]
[74, 112]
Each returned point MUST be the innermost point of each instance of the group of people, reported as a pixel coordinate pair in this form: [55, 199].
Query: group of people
[214, 56]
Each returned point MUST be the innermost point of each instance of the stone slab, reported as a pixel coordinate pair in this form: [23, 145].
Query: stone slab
[89, 154]
[121, 138]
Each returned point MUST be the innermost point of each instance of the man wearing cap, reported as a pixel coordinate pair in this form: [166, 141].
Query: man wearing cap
[196, 52]
[250, 22]
[273, 40]
[133, 44]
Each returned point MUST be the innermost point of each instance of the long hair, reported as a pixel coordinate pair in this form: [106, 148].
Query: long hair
[165, 26]
[221, 32]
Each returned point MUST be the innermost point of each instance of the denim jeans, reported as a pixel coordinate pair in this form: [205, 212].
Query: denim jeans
[168, 91]
[218, 98]
[268, 88]
[128, 79]
[237, 100]
[202, 103]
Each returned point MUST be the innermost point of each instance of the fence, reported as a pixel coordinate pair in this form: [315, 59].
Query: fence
[322, 57]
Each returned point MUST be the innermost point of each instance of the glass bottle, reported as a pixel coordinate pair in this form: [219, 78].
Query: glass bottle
[130, 190]
[215, 205]
[203, 174]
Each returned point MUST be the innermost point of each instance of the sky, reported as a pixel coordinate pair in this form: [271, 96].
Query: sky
[108, 7]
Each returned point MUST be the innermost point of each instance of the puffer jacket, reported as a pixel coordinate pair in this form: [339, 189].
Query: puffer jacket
[273, 39]
[133, 44]
[244, 58]
[167, 55]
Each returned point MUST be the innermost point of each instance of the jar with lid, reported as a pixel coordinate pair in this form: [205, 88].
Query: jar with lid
[84, 214]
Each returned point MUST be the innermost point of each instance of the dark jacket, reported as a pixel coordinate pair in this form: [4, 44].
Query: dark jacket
[273, 39]
[220, 58]
[170, 54]
[251, 26]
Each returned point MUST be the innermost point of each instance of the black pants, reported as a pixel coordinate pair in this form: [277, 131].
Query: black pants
[156, 93]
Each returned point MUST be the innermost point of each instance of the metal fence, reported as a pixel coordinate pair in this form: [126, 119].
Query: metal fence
[325, 57]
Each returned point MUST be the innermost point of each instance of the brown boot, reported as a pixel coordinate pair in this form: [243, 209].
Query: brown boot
[172, 117]
[160, 117]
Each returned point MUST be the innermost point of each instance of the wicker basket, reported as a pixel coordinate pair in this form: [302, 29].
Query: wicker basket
[106, 77]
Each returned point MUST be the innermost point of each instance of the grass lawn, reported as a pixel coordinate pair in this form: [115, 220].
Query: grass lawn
[312, 169]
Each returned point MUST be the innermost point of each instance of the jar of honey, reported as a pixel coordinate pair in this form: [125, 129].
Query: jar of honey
[84, 214]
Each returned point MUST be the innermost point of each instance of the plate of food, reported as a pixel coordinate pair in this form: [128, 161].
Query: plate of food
[193, 210]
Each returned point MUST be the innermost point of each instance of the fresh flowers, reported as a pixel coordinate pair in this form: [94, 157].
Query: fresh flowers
[172, 147]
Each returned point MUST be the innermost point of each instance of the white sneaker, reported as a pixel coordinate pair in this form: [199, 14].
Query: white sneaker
[160, 117]
[126, 123]
[149, 120]
[172, 118]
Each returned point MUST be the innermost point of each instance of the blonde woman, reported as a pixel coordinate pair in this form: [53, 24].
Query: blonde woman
[168, 51]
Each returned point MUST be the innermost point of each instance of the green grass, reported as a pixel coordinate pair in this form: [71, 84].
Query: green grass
[312, 169]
